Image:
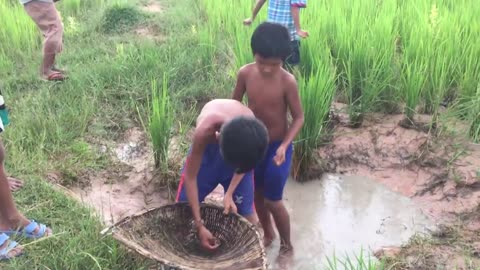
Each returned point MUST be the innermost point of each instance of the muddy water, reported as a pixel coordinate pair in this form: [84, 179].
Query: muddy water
[343, 215]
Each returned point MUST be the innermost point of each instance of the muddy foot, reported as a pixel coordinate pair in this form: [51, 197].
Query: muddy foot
[285, 258]
[14, 184]
[267, 241]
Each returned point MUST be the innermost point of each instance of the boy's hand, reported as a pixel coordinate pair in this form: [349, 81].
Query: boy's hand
[302, 34]
[247, 21]
[207, 240]
[229, 204]
[279, 158]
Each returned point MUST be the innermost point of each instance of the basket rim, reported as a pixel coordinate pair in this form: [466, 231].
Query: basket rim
[142, 251]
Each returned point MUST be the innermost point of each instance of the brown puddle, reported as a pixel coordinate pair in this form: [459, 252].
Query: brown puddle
[116, 194]
[343, 215]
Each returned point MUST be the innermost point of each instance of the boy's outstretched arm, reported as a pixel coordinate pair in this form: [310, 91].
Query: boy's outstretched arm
[295, 107]
[240, 86]
[295, 6]
[258, 5]
[191, 171]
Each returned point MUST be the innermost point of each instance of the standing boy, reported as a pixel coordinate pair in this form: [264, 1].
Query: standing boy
[46, 17]
[228, 143]
[286, 13]
[271, 92]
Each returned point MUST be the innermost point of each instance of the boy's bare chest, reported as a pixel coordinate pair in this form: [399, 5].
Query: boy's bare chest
[265, 93]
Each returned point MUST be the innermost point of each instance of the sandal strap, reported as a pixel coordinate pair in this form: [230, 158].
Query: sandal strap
[11, 245]
[30, 229]
[3, 238]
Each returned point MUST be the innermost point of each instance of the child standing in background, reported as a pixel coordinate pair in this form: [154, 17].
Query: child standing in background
[286, 13]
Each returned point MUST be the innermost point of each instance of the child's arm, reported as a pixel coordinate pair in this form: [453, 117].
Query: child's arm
[228, 200]
[295, 106]
[295, 6]
[240, 86]
[258, 5]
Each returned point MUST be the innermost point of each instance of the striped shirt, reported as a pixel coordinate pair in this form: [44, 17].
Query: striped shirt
[279, 11]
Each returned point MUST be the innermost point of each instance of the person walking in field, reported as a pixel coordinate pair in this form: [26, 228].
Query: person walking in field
[271, 92]
[47, 19]
[286, 13]
[12, 222]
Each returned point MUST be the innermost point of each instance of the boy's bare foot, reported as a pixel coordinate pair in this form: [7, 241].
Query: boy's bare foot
[285, 257]
[14, 184]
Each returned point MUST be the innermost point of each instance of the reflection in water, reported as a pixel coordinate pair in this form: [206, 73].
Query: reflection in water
[343, 215]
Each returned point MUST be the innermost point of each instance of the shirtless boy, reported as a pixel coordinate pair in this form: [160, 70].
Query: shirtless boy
[228, 143]
[271, 91]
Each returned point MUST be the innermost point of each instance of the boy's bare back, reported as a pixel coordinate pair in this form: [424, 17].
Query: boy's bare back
[269, 97]
[217, 112]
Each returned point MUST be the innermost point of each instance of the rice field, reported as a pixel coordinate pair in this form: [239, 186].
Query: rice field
[388, 56]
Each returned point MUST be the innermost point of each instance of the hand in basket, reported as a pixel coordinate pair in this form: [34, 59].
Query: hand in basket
[207, 240]
[229, 204]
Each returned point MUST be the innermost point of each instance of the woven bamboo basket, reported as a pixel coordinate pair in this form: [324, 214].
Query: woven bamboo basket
[166, 235]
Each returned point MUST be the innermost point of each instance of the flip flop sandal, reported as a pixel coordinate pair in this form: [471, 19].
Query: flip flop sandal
[55, 77]
[5, 250]
[29, 231]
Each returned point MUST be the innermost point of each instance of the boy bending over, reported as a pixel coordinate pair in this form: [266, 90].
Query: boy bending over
[227, 144]
[271, 91]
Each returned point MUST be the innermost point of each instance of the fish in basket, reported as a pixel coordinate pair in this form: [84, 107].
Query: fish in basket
[166, 234]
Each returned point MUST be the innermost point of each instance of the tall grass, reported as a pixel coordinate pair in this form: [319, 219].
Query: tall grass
[18, 33]
[316, 94]
[161, 122]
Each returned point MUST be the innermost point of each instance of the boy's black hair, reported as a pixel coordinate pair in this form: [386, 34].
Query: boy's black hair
[271, 40]
[243, 142]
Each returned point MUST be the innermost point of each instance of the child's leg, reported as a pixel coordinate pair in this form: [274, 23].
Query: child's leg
[10, 217]
[264, 217]
[263, 213]
[293, 60]
[275, 180]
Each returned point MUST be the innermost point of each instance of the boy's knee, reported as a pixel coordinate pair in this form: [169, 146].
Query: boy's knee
[271, 204]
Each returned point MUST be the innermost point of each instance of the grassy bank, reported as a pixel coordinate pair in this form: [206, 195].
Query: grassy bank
[111, 71]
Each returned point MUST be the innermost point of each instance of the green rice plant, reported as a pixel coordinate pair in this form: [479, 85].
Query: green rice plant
[161, 122]
[359, 262]
[316, 94]
[413, 81]
[17, 30]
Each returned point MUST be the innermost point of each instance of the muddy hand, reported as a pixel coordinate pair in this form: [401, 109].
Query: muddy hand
[229, 205]
[279, 158]
[206, 239]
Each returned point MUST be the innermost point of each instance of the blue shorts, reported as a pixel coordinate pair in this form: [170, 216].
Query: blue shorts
[272, 178]
[213, 171]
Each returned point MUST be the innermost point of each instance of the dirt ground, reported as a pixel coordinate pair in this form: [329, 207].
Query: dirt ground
[440, 173]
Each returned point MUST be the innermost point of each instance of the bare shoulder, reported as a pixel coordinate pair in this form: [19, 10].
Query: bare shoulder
[245, 70]
[289, 81]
